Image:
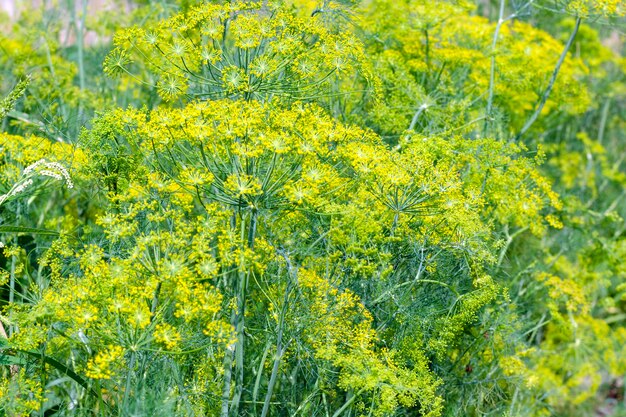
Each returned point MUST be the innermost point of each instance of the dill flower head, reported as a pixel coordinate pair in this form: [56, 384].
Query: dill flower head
[116, 62]
[243, 185]
[171, 87]
[102, 364]
[167, 335]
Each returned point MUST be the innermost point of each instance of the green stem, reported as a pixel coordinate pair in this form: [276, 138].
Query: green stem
[228, 372]
[242, 285]
[12, 285]
[348, 403]
[492, 71]
[280, 349]
[426, 58]
[79, 29]
[155, 301]
[416, 116]
[12, 280]
[259, 375]
[605, 114]
[507, 244]
[129, 375]
[555, 73]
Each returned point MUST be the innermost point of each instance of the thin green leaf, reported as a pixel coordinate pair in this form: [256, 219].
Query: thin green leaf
[11, 360]
[31, 230]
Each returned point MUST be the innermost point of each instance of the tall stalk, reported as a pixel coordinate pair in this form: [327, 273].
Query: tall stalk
[228, 372]
[492, 70]
[79, 30]
[248, 235]
[531, 120]
[280, 348]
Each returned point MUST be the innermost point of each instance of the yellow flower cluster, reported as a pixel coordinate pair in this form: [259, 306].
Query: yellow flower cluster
[239, 49]
[592, 8]
[103, 364]
[421, 48]
[342, 334]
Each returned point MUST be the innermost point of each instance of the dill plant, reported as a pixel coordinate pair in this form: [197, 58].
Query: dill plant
[314, 209]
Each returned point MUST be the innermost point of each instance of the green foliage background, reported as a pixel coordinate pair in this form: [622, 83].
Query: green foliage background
[292, 208]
